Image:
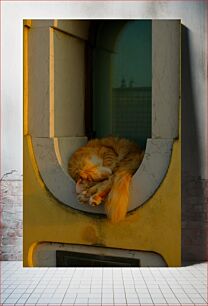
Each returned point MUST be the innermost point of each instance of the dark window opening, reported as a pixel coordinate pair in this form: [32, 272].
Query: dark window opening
[120, 63]
[75, 259]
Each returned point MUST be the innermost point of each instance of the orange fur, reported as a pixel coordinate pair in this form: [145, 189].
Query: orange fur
[102, 170]
[118, 199]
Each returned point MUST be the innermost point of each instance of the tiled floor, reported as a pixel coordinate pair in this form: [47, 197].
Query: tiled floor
[97, 286]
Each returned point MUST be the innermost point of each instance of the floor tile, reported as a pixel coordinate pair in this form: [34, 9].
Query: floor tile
[173, 286]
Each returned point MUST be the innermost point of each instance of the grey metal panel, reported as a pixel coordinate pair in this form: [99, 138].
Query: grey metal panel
[56, 82]
[38, 86]
[165, 78]
[151, 172]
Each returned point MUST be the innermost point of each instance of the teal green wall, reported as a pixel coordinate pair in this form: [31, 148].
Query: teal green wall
[124, 65]
[133, 57]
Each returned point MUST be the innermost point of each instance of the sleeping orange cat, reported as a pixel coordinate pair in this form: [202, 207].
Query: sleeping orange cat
[102, 170]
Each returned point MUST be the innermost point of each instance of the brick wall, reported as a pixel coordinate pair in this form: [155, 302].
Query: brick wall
[11, 210]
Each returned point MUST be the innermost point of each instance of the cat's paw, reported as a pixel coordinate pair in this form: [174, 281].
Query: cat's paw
[95, 200]
[83, 198]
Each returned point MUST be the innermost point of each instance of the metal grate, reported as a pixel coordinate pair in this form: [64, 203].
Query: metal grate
[131, 113]
[75, 259]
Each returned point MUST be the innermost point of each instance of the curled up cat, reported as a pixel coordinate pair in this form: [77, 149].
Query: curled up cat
[102, 170]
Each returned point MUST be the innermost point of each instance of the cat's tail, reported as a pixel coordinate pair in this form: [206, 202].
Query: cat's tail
[117, 202]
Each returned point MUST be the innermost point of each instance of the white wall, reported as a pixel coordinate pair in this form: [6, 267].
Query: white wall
[192, 15]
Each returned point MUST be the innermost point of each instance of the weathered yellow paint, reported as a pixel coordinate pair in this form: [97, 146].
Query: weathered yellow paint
[30, 254]
[51, 91]
[25, 75]
[27, 22]
[55, 22]
[156, 226]
[32, 157]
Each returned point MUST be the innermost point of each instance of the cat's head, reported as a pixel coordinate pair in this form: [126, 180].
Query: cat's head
[86, 165]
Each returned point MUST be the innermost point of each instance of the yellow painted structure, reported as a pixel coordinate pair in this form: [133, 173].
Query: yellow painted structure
[155, 226]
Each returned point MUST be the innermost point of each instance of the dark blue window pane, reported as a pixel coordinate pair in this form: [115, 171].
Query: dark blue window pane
[122, 81]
